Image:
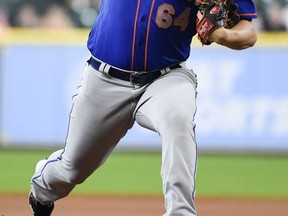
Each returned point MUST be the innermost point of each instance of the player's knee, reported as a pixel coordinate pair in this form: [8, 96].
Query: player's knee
[178, 124]
[76, 178]
[75, 175]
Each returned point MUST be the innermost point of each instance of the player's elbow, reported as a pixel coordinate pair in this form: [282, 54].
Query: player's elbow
[246, 34]
[249, 42]
[253, 40]
[240, 40]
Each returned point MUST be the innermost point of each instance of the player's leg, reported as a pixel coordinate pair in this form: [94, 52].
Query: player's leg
[168, 107]
[101, 115]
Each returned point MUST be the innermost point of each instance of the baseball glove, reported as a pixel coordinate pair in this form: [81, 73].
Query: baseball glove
[212, 18]
[231, 13]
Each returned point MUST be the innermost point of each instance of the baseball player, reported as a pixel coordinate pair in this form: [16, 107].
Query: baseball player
[137, 73]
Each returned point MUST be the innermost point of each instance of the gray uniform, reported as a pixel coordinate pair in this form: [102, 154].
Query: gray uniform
[103, 110]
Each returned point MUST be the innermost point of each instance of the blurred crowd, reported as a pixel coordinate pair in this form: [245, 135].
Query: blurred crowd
[272, 14]
[48, 13]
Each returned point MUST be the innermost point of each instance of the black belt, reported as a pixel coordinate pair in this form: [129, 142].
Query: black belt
[140, 78]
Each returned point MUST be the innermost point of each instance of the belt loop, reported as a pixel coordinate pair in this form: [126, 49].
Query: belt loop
[104, 68]
[165, 70]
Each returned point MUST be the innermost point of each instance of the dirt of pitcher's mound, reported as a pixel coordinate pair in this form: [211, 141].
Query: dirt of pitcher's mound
[74, 205]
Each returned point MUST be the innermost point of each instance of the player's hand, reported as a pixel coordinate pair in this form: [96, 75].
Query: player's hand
[217, 35]
[231, 17]
[209, 18]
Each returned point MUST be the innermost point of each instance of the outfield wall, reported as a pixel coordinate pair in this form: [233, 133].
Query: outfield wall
[242, 96]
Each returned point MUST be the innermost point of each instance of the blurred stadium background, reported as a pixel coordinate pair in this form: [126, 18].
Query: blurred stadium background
[242, 103]
[273, 15]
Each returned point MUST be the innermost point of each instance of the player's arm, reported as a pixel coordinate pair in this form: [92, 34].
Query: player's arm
[243, 35]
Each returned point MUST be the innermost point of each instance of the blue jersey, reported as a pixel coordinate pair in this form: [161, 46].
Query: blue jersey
[144, 35]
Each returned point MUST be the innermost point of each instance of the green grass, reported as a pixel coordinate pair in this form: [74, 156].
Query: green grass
[139, 174]
[123, 173]
[243, 176]
[16, 169]
[126, 173]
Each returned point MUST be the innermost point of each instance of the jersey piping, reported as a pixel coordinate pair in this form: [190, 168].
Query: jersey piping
[134, 35]
[147, 35]
[248, 14]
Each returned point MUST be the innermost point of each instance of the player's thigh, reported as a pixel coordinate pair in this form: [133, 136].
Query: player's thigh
[169, 100]
[101, 115]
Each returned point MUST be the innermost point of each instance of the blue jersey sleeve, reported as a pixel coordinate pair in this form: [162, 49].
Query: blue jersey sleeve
[246, 9]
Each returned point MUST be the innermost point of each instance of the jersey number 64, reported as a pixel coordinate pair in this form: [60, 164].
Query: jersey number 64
[164, 17]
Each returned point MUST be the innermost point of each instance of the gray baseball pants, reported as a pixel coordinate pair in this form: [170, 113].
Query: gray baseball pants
[103, 110]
